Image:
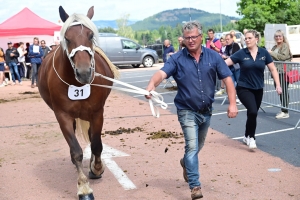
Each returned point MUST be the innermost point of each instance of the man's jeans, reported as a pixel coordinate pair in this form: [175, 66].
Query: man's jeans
[194, 126]
[13, 67]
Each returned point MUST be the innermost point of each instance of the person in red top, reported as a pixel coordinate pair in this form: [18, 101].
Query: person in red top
[212, 42]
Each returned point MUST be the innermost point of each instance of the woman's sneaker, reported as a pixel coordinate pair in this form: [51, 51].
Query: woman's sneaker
[282, 115]
[246, 140]
[252, 143]
[220, 92]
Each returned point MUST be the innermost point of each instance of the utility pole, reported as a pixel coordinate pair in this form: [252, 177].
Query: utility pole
[190, 11]
[220, 16]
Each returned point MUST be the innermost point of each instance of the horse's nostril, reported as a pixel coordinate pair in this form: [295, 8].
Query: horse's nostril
[77, 73]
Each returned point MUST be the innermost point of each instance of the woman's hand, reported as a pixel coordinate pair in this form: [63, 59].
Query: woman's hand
[279, 90]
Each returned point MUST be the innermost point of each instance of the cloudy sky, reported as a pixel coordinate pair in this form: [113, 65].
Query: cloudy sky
[112, 9]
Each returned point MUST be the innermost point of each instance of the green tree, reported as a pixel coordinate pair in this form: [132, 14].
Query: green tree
[123, 28]
[107, 30]
[256, 13]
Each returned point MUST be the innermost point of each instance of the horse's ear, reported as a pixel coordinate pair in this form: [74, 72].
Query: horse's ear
[90, 13]
[63, 15]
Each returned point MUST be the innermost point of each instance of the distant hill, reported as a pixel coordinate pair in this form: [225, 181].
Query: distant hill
[110, 23]
[175, 16]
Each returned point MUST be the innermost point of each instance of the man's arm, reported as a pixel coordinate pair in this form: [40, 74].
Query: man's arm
[156, 79]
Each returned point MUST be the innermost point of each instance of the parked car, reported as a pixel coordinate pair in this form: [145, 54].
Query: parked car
[124, 51]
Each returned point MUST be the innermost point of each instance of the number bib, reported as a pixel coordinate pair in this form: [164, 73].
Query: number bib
[79, 93]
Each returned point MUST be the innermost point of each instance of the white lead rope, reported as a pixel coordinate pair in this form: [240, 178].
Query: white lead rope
[157, 98]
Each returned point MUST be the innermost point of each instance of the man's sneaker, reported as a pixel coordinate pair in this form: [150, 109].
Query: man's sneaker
[282, 115]
[196, 193]
[220, 92]
[2, 85]
[252, 143]
[184, 170]
[246, 140]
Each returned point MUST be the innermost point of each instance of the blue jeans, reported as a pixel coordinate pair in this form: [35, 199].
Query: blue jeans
[194, 126]
[13, 67]
[235, 75]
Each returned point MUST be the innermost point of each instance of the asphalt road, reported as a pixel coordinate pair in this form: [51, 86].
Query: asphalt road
[276, 137]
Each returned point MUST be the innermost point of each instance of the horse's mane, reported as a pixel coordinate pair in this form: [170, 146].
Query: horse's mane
[85, 21]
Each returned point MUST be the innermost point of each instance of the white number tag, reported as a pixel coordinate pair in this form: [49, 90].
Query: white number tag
[78, 93]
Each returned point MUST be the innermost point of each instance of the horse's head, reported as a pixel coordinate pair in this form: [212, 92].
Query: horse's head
[79, 36]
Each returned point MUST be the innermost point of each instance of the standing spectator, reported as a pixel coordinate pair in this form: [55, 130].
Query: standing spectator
[2, 60]
[194, 69]
[168, 50]
[231, 48]
[35, 55]
[222, 52]
[232, 33]
[243, 42]
[27, 62]
[11, 57]
[21, 59]
[180, 42]
[212, 42]
[252, 61]
[44, 48]
[281, 52]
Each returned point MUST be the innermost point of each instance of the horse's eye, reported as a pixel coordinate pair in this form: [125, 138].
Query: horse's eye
[67, 40]
[91, 36]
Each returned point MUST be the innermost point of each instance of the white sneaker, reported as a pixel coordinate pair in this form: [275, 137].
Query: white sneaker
[246, 140]
[2, 85]
[252, 143]
[238, 102]
[220, 92]
[282, 115]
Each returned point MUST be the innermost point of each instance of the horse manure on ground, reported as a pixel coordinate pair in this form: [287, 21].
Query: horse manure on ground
[28, 92]
[164, 134]
[172, 88]
[124, 130]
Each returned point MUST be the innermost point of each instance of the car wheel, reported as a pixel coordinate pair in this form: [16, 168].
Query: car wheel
[135, 65]
[148, 61]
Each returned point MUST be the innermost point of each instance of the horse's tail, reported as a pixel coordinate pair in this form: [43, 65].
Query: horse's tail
[82, 129]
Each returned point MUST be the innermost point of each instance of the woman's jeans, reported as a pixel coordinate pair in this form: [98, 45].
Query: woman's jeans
[235, 75]
[34, 67]
[251, 99]
[194, 126]
[284, 96]
[13, 67]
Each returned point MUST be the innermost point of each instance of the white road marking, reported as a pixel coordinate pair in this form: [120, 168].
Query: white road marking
[107, 154]
[268, 133]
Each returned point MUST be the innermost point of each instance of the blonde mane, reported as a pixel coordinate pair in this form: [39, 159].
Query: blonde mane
[84, 21]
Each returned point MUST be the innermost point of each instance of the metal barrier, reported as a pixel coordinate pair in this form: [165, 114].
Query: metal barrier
[290, 84]
[289, 77]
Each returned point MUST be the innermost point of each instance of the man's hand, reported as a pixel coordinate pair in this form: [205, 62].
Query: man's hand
[232, 110]
[212, 44]
[149, 88]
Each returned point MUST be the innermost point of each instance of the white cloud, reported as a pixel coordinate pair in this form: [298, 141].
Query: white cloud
[113, 9]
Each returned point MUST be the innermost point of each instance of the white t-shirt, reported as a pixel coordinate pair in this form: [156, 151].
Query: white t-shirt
[21, 58]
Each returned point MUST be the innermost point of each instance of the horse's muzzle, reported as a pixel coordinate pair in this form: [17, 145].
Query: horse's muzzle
[84, 76]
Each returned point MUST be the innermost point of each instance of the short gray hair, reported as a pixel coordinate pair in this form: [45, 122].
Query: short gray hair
[189, 26]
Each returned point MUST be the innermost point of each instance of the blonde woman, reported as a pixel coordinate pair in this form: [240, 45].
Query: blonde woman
[232, 33]
[281, 52]
[252, 61]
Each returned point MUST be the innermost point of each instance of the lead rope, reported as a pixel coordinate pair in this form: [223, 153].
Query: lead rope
[155, 97]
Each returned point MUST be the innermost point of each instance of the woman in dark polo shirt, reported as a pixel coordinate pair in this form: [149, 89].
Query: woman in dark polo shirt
[252, 61]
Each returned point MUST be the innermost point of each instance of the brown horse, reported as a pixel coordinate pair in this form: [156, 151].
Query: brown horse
[64, 83]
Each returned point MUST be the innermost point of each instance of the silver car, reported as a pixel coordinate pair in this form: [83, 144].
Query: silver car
[124, 51]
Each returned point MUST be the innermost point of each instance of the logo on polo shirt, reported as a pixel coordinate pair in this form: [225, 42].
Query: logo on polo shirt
[263, 58]
[246, 58]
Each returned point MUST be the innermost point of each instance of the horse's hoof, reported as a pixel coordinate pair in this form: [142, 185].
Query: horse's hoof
[93, 176]
[86, 197]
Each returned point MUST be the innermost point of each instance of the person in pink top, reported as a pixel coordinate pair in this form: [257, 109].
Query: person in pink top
[212, 42]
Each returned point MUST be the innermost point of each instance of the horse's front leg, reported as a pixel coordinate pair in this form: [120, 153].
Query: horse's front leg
[66, 125]
[96, 165]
